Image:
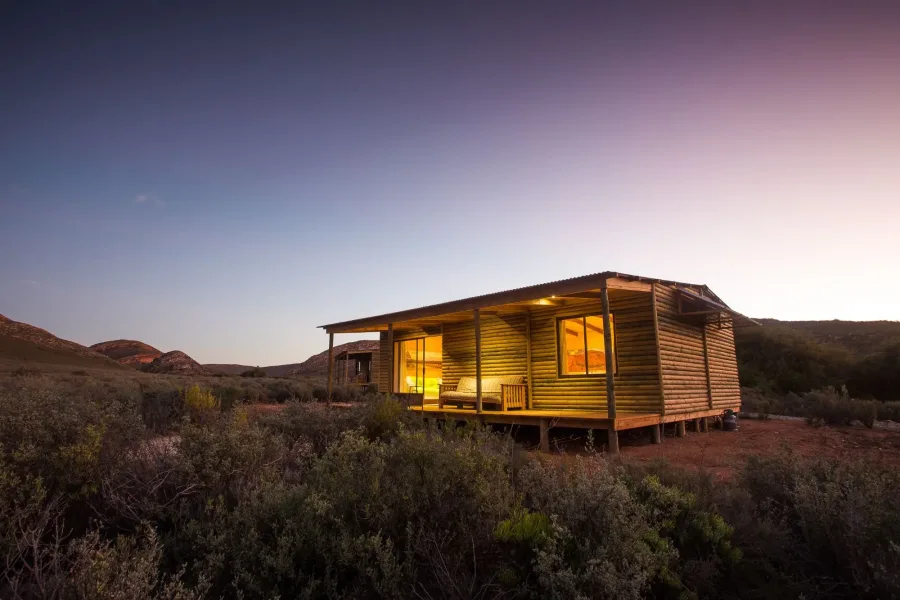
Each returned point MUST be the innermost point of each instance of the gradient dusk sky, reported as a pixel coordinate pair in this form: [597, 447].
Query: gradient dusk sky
[222, 177]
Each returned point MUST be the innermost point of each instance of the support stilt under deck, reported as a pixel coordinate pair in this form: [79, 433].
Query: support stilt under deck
[545, 435]
[575, 419]
[613, 439]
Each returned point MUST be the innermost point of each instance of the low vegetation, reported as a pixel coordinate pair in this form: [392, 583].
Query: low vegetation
[780, 359]
[171, 491]
[827, 405]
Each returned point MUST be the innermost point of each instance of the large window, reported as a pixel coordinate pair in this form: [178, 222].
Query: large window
[581, 348]
[417, 366]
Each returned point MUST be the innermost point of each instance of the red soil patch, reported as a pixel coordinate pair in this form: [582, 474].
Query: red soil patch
[722, 452]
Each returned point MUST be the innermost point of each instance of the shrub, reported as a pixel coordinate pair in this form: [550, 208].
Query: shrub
[200, 403]
[601, 544]
[25, 372]
[317, 425]
[161, 410]
[254, 372]
[66, 440]
[125, 569]
[372, 519]
[227, 456]
[843, 518]
[228, 397]
[836, 407]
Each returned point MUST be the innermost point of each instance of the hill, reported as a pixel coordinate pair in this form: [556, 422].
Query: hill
[318, 364]
[21, 342]
[860, 338]
[797, 356]
[128, 352]
[231, 369]
[175, 363]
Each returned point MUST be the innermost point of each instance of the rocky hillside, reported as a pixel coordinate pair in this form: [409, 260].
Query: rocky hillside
[175, 363]
[42, 337]
[128, 352]
[318, 364]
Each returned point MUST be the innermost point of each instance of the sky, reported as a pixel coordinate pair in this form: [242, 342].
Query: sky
[223, 177]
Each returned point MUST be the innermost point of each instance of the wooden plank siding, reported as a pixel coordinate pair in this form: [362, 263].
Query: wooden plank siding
[690, 382]
[637, 382]
[723, 368]
[503, 348]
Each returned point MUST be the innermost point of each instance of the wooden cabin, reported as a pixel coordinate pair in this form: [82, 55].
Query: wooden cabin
[603, 351]
[357, 366]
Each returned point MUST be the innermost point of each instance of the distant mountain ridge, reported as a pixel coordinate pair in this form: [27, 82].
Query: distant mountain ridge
[42, 337]
[128, 352]
[175, 363]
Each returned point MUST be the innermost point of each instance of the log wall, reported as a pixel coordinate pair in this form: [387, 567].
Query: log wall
[723, 369]
[637, 383]
[691, 381]
[503, 347]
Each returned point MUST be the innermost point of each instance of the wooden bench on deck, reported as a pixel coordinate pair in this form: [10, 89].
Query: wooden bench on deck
[507, 392]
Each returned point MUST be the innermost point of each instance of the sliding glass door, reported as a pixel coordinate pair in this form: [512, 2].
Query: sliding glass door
[417, 366]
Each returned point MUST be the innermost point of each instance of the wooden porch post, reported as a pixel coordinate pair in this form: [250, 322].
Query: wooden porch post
[709, 390]
[608, 350]
[390, 358]
[330, 364]
[528, 390]
[477, 361]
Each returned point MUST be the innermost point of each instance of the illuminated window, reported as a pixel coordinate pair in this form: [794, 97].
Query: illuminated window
[417, 366]
[581, 348]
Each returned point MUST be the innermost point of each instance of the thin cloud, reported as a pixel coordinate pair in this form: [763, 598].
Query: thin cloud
[149, 198]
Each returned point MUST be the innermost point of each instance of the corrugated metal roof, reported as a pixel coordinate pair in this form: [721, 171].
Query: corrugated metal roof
[542, 290]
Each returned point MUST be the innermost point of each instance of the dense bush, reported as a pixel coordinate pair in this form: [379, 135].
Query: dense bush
[878, 374]
[821, 406]
[782, 360]
[776, 359]
[367, 501]
[843, 519]
[254, 372]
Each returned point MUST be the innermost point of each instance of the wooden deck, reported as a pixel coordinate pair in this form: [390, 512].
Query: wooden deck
[577, 419]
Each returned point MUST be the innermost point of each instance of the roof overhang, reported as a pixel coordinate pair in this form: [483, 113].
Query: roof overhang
[582, 288]
[701, 308]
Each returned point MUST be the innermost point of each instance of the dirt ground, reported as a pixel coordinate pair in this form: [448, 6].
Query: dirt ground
[722, 452]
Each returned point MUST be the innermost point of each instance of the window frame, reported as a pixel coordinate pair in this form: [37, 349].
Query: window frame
[559, 349]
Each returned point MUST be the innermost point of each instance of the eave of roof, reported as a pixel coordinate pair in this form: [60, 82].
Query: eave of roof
[522, 294]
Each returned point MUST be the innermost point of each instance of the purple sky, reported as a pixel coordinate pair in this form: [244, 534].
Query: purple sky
[220, 178]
